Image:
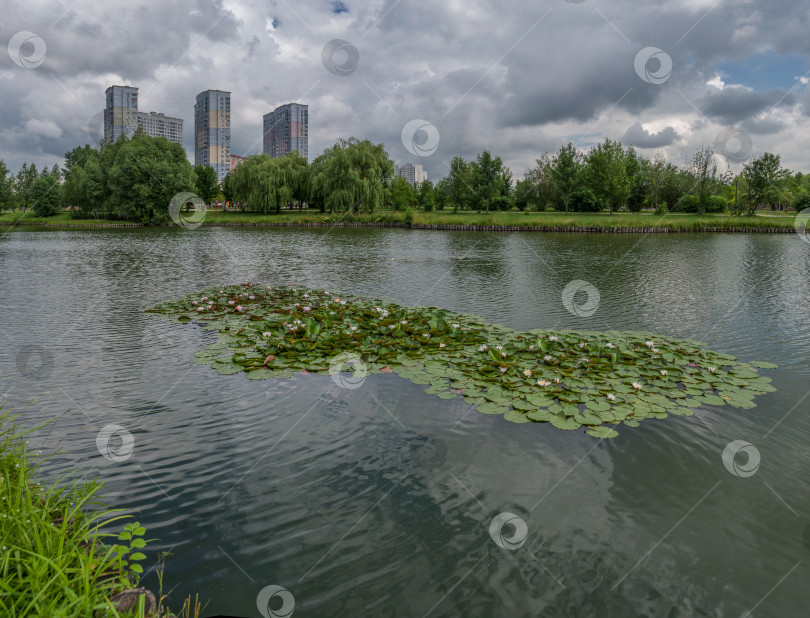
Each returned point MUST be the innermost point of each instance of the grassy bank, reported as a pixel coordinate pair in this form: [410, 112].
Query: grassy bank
[541, 220]
[57, 557]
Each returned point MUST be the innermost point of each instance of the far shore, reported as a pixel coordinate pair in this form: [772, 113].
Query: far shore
[532, 221]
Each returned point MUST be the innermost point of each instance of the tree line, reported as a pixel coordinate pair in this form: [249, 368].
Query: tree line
[135, 179]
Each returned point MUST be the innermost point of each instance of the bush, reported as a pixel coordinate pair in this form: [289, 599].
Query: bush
[408, 216]
[662, 208]
[802, 202]
[585, 200]
[691, 204]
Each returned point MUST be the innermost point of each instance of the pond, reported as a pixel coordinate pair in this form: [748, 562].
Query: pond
[384, 500]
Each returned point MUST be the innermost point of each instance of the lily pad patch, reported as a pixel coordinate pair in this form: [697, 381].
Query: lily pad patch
[570, 379]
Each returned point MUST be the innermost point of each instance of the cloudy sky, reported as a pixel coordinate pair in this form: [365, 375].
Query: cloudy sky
[517, 78]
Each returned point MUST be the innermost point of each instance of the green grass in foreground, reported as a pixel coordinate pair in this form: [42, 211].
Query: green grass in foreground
[672, 221]
[55, 560]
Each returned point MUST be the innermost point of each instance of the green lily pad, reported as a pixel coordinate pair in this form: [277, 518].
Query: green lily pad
[497, 369]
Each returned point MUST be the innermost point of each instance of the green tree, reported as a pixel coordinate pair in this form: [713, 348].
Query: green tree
[607, 174]
[566, 172]
[427, 196]
[765, 180]
[401, 194]
[634, 166]
[490, 178]
[542, 176]
[6, 195]
[460, 183]
[655, 172]
[46, 195]
[146, 173]
[704, 169]
[23, 184]
[269, 184]
[227, 187]
[351, 176]
[206, 183]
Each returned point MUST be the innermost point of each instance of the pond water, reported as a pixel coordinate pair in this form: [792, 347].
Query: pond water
[378, 500]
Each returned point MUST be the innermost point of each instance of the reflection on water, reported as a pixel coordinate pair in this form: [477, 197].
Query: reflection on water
[328, 492]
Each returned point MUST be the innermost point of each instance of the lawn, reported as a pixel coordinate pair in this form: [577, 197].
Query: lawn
[673, 221]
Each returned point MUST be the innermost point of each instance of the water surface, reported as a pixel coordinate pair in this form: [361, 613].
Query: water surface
[322, 490]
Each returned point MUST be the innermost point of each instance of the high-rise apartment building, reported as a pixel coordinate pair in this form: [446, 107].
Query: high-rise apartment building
[212, 131]
[120, 112]
[414, 174]
[121, 117]
[286, 129]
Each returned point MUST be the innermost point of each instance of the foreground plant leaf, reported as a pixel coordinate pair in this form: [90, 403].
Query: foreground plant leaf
[595, 380]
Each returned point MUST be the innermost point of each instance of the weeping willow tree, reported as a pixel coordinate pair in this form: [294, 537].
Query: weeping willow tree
[351, 176]
[268, 184]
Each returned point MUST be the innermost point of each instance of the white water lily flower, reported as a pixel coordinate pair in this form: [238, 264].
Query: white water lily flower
[251, 297]
[403, 321]
[637, 386]
[503, 369]
[297, 321]
[543, 382]
[307, 308]
[531, 347]
[649, 344]
[296, 305]
[527, 373]
[503, 354]
[664, 372]
[306, 295]
[482, 348]
[193, 302]
[556, 380]
[200, 308]
[553, 338]
[712, 369]
[204, 298]
[548, 358]
[231, 302]
[239, 307]
[392, 326]
[499, 347]
[337, 300]
[353, 328]
[655, 350]
[454, 325]
[611, 397]
[610, 345]
[266, 334]
[582, 345]
[442, 345]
